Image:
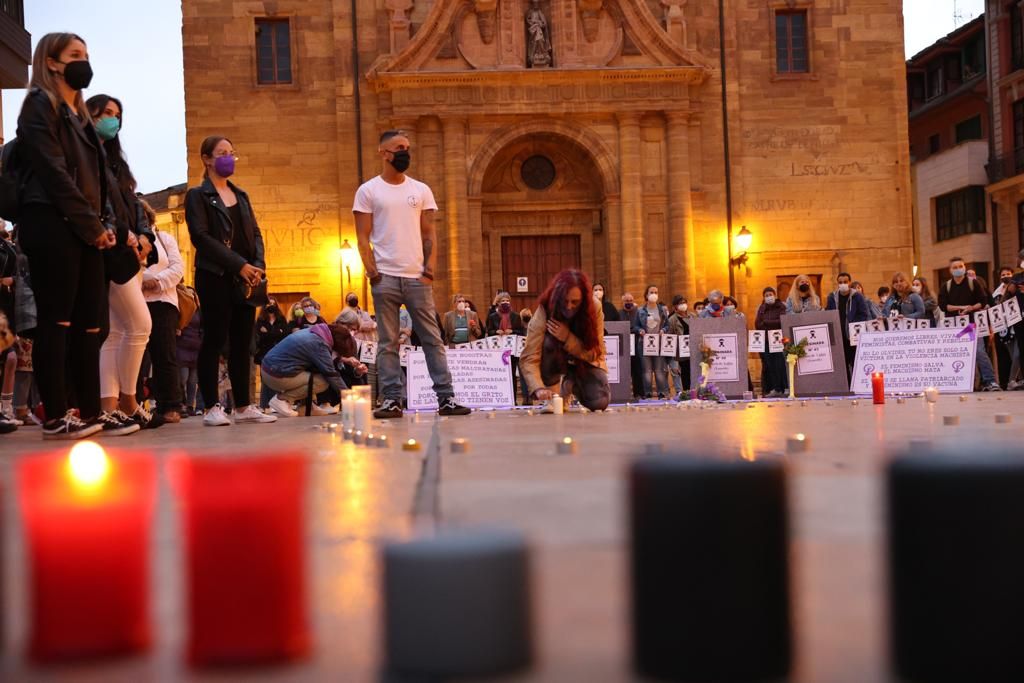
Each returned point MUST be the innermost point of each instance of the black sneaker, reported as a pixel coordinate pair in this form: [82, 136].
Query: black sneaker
[117, 424]
[69, 427]
[7, 426]
[389, 408]
[448, 406]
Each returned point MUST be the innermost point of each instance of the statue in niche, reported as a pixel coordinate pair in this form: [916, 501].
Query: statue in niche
[538, 37]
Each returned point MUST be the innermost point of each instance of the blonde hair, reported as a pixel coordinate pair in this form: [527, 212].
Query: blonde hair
[51, 46]
[795, 300]
[455, 300]
[149, 211]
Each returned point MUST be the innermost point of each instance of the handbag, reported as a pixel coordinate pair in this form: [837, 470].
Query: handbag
[251, 295]
[188, 304]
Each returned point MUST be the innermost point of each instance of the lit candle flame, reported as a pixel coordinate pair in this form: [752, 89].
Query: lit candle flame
[88, 464]
[567, 440]
[800, 437]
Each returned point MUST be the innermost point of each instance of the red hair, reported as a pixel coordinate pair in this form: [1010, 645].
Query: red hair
[584, 323]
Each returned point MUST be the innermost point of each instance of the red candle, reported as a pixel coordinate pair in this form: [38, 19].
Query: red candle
[878, 388]
[245, 559]
[86, 516]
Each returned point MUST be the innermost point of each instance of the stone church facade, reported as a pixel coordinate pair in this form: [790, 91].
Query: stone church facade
[562, 133]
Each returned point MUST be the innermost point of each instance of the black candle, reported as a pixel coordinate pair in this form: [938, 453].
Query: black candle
[956, 565]
[710, 569]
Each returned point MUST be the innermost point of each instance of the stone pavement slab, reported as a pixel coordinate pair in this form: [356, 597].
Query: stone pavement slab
[572, 509]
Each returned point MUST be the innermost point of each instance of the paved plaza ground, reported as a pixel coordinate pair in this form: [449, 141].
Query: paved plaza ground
[571, 507]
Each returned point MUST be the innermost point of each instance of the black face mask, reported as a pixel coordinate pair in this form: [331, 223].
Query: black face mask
[804, 288]
[353, 302]
[1005, 280]
[401, 160]
[78, 75]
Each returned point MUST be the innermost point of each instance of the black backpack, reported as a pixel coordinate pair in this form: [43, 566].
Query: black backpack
[10, 182]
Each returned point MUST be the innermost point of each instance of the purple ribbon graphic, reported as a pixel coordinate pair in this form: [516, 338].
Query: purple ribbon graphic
[969, 330]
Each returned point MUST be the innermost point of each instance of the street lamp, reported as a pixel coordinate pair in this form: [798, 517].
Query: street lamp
[744, 238]
[345, 252]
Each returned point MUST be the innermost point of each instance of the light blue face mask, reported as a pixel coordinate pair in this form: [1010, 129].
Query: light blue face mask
[107, 128]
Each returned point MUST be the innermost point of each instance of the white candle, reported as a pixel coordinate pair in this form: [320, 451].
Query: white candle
[557, 404]
[567, 446]
[460, 446]
[931, 394]
[362, 414]
[348, 407]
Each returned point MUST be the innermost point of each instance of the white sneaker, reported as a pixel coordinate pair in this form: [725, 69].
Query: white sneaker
[325, 409]
[252, 414]
[216, 417]
[282, 407]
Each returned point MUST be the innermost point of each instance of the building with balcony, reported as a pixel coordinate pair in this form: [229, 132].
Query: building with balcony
[1004, 26]
[947, 94]
[15, 47]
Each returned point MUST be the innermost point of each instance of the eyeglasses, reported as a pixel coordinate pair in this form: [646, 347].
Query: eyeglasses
[228, 154]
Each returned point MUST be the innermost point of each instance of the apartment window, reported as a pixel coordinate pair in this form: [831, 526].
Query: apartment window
[960, 213]
[936, 81]
[791, 42]
[1016, 36]
[969, 129]
[974, 58]
[273, 52]
[1018, 136]
[934, 144]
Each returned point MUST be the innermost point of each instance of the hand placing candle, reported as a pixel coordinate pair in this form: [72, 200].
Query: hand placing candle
[87, 520]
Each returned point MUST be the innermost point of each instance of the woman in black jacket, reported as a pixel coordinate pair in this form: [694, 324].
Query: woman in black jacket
[64, 193]
[229, 257]
[271, 328]
[774, 382]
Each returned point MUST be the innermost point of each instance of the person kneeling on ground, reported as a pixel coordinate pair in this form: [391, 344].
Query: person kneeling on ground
[303, 361]
[565, 350]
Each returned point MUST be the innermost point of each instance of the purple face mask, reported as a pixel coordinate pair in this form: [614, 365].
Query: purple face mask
[224, 166]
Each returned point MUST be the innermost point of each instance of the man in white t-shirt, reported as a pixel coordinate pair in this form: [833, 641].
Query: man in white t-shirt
[395, 228]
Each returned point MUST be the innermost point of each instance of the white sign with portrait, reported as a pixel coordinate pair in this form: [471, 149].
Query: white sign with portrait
[726, 365]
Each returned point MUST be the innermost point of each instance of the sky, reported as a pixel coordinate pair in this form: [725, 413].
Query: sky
[135, 49]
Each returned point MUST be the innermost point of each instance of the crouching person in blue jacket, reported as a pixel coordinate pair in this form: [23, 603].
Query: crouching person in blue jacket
[302, 365]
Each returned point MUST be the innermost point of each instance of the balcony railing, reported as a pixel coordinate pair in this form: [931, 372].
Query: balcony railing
[1005, 167]
[15, 9]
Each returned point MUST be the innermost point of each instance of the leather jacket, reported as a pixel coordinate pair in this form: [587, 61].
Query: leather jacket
[62, 164]
[209, 226]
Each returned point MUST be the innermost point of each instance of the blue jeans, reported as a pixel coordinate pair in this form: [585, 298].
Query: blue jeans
[659, 366]
[984, 363]
[388, 296]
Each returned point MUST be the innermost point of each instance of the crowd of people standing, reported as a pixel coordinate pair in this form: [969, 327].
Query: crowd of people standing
[111, 307]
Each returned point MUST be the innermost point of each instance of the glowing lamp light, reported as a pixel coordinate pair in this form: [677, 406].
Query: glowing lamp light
[744, 238]
[88, 464]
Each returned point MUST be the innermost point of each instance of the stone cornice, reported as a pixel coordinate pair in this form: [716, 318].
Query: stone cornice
[539, 78]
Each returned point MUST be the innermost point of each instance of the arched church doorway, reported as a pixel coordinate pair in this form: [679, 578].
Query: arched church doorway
[543, 205]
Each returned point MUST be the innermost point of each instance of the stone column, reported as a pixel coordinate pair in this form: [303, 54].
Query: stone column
[632, 253]
[456, 203]
[682, 261]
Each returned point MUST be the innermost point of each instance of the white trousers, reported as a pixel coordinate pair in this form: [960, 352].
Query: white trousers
[122, 352]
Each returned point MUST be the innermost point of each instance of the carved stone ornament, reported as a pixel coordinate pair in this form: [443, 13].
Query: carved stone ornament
[590, 15]
[486, 19]
[398, 23]
[538, 37]
[675, 21]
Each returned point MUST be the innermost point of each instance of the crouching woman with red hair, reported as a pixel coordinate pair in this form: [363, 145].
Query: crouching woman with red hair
[565, 351]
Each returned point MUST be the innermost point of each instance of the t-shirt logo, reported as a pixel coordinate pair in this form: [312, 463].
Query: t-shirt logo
[413, 200]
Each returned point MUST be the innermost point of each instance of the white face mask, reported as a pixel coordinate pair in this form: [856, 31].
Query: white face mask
[461, 307]
[769, 299]
[844, 288]
[652, 298]
[681, 308]
[916, 289]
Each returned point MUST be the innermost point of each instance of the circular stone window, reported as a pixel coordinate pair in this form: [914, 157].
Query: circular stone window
[538, 172]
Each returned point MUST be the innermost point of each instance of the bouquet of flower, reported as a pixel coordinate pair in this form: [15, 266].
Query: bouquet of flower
[705, 391]
[794, 352]
[798, 349]
[707, 354]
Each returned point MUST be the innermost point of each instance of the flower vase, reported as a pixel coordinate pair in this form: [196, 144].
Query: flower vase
[704, 369]
[791, 362]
